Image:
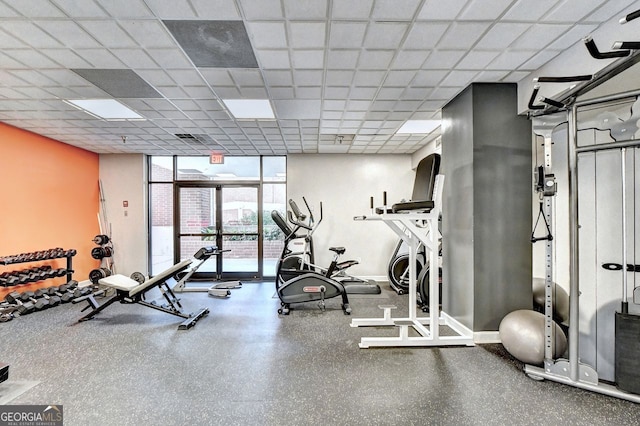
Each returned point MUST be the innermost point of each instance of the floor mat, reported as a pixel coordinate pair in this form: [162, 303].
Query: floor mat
[10, 390]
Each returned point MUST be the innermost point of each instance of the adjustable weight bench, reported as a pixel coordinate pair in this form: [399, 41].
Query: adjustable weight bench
[131, 291]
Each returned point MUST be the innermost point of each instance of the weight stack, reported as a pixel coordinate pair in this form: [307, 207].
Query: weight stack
[627, 361]
[4, 372]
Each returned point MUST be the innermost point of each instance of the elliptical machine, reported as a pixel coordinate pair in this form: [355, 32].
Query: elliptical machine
[303, 284]
[298, 252]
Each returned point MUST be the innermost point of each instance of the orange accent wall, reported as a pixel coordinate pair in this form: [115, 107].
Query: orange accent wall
[49, 198]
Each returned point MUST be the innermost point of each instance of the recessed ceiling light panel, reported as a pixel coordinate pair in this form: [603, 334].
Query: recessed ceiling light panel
[259, 109]
[419, 126]
[108, 109]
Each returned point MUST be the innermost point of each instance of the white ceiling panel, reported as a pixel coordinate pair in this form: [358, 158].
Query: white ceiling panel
[395, 10]
[30, 34]
[363, 66]
[308, 9]
[307, 59]
[441, 10]
[568, 11]
[148, 33]
[37, 9]
[344, 35]
[501, 35]
[425, 35]
[268, 34]
[352, 9]
[385, 35]
[307, 34]
[529, 11]
[127, 9]
[274, 59]
[462, 35]
[485, 10]
[69, 34]
[216, 9]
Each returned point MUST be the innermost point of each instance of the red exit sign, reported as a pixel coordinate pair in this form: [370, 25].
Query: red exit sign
[216, 158]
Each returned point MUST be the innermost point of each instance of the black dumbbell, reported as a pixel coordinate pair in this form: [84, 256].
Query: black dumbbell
[24, 306]
[70, 252]
[38, 304]
[101, 239]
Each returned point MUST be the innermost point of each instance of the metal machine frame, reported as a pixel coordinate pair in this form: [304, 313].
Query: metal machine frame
[404, 225]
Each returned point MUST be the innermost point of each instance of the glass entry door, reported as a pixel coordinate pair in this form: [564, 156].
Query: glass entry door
[226, 216]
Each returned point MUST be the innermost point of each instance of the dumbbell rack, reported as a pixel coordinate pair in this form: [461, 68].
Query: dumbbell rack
[38, 256]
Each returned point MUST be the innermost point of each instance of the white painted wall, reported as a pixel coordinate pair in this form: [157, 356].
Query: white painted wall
[123, 178]
[344, 184]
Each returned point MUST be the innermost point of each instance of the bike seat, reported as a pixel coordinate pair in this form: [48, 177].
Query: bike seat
[338, 250]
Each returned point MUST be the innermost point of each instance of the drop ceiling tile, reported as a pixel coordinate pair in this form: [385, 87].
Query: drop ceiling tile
[170, 58]
[459, 78]
[510, 60]
[516, 76]
[571, 11]
[462, 35]
[369, 78]
[342, 59]
[610, 9]
[307, 78]
[127, 9]
[156, 77]
[281, 93]
[307, 9]
[253, 93]
[10, 63]
[385, 35]
[148, 33]
[36, 9]
[486, 10]
[31, 58]
[439, 10]
[399, 78]
[344, 35]
[491, 76]
[261, 9]
[8, 41]
[390, 93]
[571, 37]
[443, 59]
[247, 77]
[445, 93]
[351, 9]
[217, 76]
[278, 78]
[228, 92]
[30, 34]
[331, 115]
[501, 35]
[375, 59]
[415, 93]
[395, 10]
[529, 11]
[267, 35]
[63, 77]
[336, 92]
[68, 33]
[108, 33]
[339, 77]
[540, 59]
[308, 59]
[335, 105]
[216, 9]
[424, 35]
[198, 92]
[134, 58]
[355, 105]
[410, 59]
[175, 9]
[477, 59]
[540, 35]
[273, 59]
[307, 34]
[363, 92]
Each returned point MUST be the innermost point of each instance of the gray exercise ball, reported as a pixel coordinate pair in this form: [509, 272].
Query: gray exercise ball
[560, 301]
[522, 335]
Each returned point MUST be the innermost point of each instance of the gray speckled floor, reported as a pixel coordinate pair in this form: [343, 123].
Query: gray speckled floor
[245, 365]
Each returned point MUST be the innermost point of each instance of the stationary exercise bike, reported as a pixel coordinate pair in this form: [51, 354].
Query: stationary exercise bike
[303, 283]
